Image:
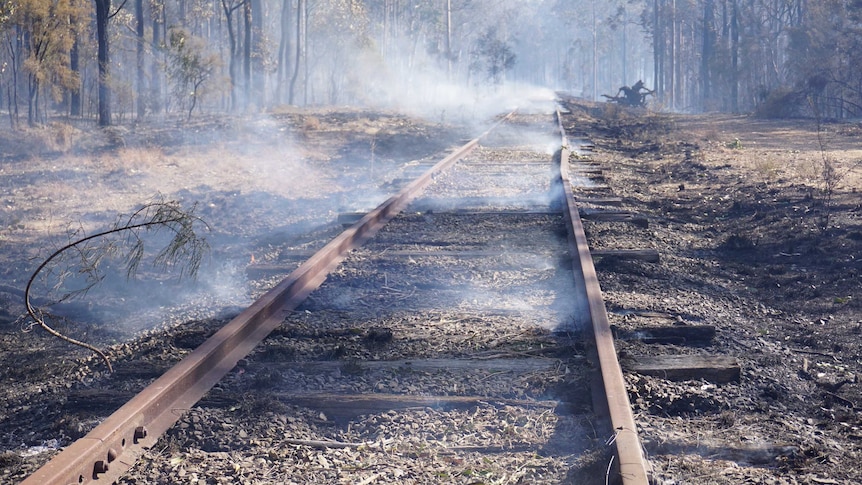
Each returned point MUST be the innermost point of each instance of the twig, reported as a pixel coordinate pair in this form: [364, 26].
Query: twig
[326, 443]
[608, 471]
[511, 447]
[371, 479]
[845, 401]
[493, 374]
[505, 338]
[814, 352]
[337, 444]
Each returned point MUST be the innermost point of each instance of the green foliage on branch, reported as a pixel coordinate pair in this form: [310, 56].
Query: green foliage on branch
[493, 56]
[125, 241]
[190, 66]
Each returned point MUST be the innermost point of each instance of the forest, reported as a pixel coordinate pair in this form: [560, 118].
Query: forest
[115, 61]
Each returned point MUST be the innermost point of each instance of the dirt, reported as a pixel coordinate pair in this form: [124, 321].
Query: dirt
[749, 241]
[280, 178]
[753, 241]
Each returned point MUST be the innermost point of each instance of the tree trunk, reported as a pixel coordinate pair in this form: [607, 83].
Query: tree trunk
[234, 53]
[258, 78]
[141, 79]
[103, 8]
[707, 52]
[283, 50]
[155, 76]
[625, 42]
[671, 69]
[246, 53]
[300, 9]
[32, 80]
[305, 64]
[15, 47]
[658, 42]
[75, 67]
[449, 40]
[32, 100]
[595, 56]
[734, 57]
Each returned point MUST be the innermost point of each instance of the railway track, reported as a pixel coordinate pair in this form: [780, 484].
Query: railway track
[444, 326]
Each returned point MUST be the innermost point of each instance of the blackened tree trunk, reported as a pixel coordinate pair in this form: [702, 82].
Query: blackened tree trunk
[15, 47]
[734, 57]
[229, 8]
[103, 8]
[36, 49]
[658, 47]
[75, 107]
[671, 55]
[707, 51]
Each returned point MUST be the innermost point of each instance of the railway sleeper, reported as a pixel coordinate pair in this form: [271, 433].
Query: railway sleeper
[718, 369]
[647, 255]
[613, 216]
[612, 201]
[674, 334]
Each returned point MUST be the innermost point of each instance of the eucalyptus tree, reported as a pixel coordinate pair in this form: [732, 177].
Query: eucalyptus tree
[825, 54]
[12, 50]
[493, 56]
[158, 22]
[734, 55]
[604, 51]
[103, 15]
[284, 51]
[339, 46]
[140, 78]
[301, 42]
[46, 35]
[230, 7]
[192, 65]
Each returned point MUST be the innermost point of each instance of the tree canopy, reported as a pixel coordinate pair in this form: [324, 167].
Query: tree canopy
[71, 57]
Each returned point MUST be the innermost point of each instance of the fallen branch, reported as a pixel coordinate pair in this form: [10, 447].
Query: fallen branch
[848, 402]
[814, 352]
[336, 444]
[185, 245]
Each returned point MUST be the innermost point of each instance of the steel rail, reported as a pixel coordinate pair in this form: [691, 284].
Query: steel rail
[630, 460]
[112, 447]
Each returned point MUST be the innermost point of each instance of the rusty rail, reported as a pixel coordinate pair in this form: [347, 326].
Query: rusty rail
[110, 449]
[630, 461]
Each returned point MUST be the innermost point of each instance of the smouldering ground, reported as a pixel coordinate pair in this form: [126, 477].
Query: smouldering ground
[752, 243]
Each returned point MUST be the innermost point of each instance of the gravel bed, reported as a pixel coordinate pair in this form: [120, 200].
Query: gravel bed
[450, 341]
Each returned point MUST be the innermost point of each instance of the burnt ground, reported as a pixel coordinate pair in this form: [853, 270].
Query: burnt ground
[749, 242]
[280, 178]
[752, 243]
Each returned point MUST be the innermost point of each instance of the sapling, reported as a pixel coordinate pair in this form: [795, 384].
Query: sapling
[830, 175]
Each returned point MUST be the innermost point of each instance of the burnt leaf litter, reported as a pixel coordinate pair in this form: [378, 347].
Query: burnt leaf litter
[736, 210]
